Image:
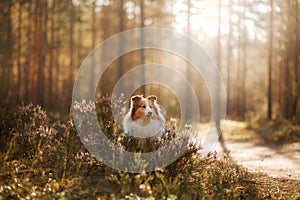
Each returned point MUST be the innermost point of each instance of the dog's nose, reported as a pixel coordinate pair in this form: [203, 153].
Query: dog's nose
[149, 113]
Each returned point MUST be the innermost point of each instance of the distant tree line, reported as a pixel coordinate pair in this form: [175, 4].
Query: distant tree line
[255, 45]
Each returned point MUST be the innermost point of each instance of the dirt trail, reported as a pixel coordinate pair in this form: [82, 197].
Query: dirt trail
[257, 155]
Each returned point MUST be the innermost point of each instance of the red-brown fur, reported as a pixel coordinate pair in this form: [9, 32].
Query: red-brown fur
[144, 117]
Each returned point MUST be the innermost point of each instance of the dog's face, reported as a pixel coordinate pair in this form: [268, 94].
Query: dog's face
[144, 118]
[143, 108]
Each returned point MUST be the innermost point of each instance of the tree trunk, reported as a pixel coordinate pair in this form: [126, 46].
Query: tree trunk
[52, 54]
[121, 40]
[296, 62]
[57, 68]
[244, 65]
[38, 57]
[288, 52]
[188, 71]
[71, 54]
[244, 75]
[93, 44]
[105, 34]
[142, 53]
[19, 89]
[43, 44]
[238, 87]
[28, 61]
[270, 59]
[219, 56]
[8, 57]
[229, 54]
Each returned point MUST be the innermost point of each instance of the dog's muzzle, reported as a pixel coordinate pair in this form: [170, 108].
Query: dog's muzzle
[149, 114]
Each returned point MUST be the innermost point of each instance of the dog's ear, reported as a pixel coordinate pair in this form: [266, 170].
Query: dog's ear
[152, 98]
[135, 99]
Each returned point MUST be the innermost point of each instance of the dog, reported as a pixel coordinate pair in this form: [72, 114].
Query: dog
[144, 118]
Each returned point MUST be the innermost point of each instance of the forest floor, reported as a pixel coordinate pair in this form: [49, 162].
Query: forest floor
[248, 148]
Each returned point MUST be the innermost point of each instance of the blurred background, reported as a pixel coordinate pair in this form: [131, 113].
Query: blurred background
[255, 45]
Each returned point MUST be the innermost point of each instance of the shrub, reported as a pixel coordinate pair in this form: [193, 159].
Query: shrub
[45, 159]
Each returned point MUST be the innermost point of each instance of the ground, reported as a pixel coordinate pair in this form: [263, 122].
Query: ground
[250, 150]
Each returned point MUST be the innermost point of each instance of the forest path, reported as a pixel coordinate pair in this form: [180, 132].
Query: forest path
[248, 149]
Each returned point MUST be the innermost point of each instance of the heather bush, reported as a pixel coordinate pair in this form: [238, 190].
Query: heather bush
[6, 124]
[42, 157]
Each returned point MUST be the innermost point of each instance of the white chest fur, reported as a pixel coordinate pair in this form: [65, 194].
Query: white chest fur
[138, 129]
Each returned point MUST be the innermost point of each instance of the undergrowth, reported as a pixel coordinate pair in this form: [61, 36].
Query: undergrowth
[42, 157]
[278, 130]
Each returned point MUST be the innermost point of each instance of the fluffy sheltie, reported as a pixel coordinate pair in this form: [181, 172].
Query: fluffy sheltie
[144, 118]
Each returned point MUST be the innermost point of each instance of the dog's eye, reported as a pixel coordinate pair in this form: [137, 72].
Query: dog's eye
[144, 106]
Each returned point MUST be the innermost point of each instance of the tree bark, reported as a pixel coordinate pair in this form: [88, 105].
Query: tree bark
[93, 44]
[72, 47]
[296, 62]
[28, 60]
[142, 53]
[19, 89]
[52, 54]
[244, 75]
[38, 57]
[8, 54]
[219, 56]
[270, 59]
[187, 70]
[121, 41]
[229, 54]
